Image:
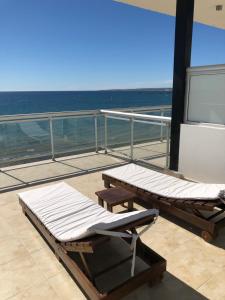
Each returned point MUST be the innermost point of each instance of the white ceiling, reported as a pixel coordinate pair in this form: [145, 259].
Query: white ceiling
[205, 10]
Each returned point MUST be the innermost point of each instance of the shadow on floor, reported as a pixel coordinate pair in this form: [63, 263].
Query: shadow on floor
[33, 174]
[170, 288]
[219, 241]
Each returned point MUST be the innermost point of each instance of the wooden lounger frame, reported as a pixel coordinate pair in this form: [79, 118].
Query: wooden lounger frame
[80, 270]
[189, 210]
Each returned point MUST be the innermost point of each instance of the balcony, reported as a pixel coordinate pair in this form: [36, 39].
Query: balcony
[43, 153]
[45, 147]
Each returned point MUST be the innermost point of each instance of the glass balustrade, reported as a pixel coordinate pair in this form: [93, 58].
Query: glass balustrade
[24, 141]
[30, 138]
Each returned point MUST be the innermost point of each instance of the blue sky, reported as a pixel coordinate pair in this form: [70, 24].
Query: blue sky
[92, 44]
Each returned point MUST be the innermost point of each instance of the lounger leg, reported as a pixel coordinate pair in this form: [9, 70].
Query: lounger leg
[106, 184]
[109, 208]
[130, 205]
[100, 202]
[88, 272]
[207, 236]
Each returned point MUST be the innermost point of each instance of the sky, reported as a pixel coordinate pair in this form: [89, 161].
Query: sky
[91, 45]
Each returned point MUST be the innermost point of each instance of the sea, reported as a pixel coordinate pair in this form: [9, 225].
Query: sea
[38, 102]
[28, 141]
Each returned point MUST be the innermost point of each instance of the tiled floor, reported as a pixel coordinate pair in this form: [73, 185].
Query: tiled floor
[50, 170]
[29, 270]
[23, 175]
[6, 181]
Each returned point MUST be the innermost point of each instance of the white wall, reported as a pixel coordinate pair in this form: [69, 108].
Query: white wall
[202, 153]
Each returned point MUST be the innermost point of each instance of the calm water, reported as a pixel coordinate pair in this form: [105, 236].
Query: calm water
[35, 102]
[25, 141]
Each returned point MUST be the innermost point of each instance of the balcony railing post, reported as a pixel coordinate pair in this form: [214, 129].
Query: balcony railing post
[167, 145]
[52, 138]
[131, 139]
[96, 134]
[161, 128]
[106, 133]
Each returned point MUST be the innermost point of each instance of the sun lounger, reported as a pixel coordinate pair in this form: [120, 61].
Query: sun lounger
[198, 204]
[76, 228]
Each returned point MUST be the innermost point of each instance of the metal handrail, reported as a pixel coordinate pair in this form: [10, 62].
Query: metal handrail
[81, 113]
[137, 116]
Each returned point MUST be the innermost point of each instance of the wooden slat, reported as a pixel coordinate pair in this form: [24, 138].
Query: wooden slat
[87, 246]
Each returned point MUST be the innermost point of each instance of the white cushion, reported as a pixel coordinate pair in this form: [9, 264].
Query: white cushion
[165, 185]
[68, 214]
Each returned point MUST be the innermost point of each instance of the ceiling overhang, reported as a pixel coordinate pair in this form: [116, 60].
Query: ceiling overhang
[205, 10]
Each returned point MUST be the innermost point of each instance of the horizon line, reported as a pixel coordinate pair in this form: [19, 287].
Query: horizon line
[92, 90]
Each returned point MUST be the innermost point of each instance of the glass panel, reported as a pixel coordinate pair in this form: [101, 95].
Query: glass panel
[144, 132]
[148, 143]
[167, 113]
[24, 141]
[74, 135]
[149, 139]
[119, 135]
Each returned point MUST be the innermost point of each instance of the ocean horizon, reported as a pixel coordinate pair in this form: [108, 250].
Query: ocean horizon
[26, 102]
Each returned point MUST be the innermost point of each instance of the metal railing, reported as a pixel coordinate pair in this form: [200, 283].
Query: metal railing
[161, 121]
[14, 143]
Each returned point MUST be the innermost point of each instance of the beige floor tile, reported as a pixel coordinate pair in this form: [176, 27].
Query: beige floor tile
[18, 222]
[158, 147]
[18, 275]
[6, 198]
[164, 237]
[194, 263]
[214, 288]
[139, 153]
[39, 292]
[215, 254]
[47, 262]
[5, 229]
[93, 162]
[10, 210]
[142, 152]
[31, 239]
[42, 171]
[7, 181]
[87, 184]
[65, 287]
[11, 249]
[158, 162]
